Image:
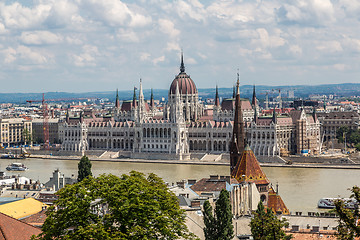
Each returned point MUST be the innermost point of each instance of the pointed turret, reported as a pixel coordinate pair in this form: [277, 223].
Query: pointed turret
[217, 100]
[141, 107]
[274, 120]
[152, 103]
[117, 101]
[314, 114]
[182, 66]
[234, 94]
[134, 103]
[238, 137]
[254, 100]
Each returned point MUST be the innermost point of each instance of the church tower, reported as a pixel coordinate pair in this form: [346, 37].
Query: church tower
[238, 138]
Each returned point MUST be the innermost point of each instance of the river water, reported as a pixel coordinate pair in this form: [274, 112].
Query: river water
[300, 188]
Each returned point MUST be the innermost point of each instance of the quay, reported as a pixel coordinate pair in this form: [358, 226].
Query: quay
[208, 162]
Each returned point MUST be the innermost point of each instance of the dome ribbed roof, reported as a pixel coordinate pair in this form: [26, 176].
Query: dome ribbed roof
[186, 84]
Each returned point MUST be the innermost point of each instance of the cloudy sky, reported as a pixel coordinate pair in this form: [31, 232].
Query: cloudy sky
[101, 45]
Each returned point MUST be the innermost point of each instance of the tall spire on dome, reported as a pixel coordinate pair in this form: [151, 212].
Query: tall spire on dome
[182, 66]
[238, 138]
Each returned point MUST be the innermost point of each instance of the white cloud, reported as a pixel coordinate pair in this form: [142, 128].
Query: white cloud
[87, 57]
[20, 17]
[193, 10]
[167, 27]
[309, 12]
[2, 28]
[329, 47]
[115, 13]
[40, 37]
[340, 67]
[144, 56]
[25, 55]
[173, 46]
[127, 35]
[159, 59]
[295, 50]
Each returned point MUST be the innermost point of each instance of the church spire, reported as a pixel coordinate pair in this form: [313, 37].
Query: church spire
[254, 100]
[182, 66]
[274, 115]
[134, 103]
[117, 101]
[238, 138]
[152, 103]
[217, 100]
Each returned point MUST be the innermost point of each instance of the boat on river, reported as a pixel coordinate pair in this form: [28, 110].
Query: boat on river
[330, 202]
[16, 167]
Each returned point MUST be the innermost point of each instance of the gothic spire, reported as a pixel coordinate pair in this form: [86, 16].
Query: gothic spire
[234, 92]
[182, 66]
[274, 115]
[314, 114]
[152, 103]
[117, 101]
[134, 98]
[254, 100]
[238, 138]
[217, 100]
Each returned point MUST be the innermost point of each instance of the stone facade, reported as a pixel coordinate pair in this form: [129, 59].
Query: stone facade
[15, 131]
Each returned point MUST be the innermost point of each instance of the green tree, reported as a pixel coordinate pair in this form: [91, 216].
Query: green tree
[348, 227]
[84, 168]
[109, 207]
[219, 226]
[266, 226]
[27, 136]
[209, 222]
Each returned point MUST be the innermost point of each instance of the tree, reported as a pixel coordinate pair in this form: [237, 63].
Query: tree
[219, 226]
[209, 221]
[109, 207]
[348, 227]
[266, 226]
[84, 168]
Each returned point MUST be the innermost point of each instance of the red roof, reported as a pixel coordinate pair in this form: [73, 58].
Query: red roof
[13, 229]
[229, 104]
[276, 203]
[248, 169]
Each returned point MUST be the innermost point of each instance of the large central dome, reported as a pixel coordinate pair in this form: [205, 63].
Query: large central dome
[185, 83]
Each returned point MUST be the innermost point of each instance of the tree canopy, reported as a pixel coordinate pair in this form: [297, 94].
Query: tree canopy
[348, 227]
[84, 168]
[266, 226]
[218, 226]
[352, 136]
[109, 207]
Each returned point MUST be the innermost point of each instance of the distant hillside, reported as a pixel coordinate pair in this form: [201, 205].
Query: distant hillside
[303, 91]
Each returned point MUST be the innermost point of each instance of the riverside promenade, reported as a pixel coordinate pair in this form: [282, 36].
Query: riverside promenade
[222, 162]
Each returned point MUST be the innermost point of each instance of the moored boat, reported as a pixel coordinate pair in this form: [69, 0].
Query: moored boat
[16, 167]
[330, 202]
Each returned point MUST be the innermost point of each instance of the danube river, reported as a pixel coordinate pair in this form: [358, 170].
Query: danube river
[300, 188]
